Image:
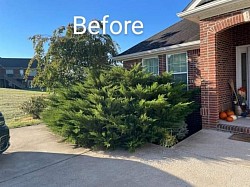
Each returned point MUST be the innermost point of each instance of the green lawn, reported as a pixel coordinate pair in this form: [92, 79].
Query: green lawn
[10, 102]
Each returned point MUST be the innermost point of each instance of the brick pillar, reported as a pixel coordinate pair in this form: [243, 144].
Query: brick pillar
[209, 86]
[162, 63]
[209, 29]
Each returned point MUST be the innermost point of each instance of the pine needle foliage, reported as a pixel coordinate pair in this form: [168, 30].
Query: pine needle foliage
[120, 108]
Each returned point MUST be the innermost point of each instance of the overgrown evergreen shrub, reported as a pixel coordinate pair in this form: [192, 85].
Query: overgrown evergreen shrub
[120, 108]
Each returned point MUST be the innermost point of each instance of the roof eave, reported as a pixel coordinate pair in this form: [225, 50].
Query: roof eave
[194, 14]
[191, 5]
[159, 51]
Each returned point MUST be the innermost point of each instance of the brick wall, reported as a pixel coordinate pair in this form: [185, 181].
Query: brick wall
[194, 76]
[2, 72]
[16, 71]
[241, 34]
[130, 63]
[162, 63]
[226, 68]
[15, 76]
[219, 36]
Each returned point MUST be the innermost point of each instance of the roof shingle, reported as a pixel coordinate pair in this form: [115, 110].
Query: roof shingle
[15, 62]
[182, 32]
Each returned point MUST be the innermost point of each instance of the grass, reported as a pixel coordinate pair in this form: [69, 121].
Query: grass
[10, 102]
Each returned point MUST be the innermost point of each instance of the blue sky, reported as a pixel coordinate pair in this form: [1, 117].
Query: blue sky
[20, 19]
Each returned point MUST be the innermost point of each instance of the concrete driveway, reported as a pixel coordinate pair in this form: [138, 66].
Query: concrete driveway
[38, 158]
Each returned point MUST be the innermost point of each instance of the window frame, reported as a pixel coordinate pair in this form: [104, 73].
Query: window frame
[156, 57]
[178, 73]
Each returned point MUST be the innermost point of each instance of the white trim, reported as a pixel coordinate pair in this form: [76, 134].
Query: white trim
[239, 51]
[204, 7]
[179, 73]
[151, 57]
[156, 57]
[248, 75]
[213, 8]
[171, 49]
[192, 5]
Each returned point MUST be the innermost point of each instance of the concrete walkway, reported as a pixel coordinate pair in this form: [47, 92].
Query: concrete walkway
[38, 158]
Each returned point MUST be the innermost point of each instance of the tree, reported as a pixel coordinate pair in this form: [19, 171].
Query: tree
[62, 57]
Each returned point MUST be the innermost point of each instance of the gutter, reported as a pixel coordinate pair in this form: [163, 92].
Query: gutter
[159, 51]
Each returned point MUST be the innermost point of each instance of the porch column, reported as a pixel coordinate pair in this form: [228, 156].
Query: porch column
[208, 68]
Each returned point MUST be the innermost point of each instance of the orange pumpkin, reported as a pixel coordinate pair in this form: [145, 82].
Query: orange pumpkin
[229, 113]
[223, 115]
[230, 119]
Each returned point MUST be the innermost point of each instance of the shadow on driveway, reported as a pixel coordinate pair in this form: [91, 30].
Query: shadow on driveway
[208, 158]
[54, 169]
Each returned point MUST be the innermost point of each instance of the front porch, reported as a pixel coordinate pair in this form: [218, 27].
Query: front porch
[241, 125]
[221, 60]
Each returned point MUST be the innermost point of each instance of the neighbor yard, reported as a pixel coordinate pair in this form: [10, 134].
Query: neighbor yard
[10, 102]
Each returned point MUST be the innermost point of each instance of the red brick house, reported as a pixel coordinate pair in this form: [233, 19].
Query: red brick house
[207, 48]
[12, 71]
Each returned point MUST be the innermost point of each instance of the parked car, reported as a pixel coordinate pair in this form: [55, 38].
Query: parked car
[4, 135]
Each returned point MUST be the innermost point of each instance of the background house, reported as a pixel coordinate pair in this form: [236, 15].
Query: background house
[12, 72]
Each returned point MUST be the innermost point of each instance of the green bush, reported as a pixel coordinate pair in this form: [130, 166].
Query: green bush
[34, 106]
[120, 108]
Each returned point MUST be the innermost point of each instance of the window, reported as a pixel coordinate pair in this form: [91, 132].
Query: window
[9, 72]
[21, 72]
[151, 65]
[32, 73]
[177, 64]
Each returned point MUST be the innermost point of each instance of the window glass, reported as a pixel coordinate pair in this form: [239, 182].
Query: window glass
[21, 72]
[151, 65]
[32, 72]
[9, 72]
[177, 64]
[180, 77]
